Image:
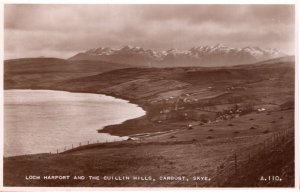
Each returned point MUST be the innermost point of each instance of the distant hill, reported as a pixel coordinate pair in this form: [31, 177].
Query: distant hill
[208, 56]
[32, 70]
[133, 83]
[279, 60]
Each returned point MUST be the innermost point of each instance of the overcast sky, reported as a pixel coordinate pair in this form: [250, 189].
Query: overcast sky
[64, 30]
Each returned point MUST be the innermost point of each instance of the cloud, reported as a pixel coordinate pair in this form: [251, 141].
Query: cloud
[63, 30]
[230, 14]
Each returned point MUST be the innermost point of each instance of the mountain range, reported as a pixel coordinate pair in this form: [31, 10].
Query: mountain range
[217, 55]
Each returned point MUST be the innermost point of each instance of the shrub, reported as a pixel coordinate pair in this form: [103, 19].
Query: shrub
[266, 131]
[204, 120]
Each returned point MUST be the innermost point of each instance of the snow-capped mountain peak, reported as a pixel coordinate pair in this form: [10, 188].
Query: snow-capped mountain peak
[213, 55]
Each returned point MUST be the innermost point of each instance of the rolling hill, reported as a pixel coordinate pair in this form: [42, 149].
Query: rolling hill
[37, 71]
[197, 119]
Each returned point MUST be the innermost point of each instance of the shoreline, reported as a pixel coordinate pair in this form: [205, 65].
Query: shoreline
[115, 128]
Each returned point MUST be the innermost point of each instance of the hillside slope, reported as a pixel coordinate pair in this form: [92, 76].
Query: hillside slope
[197, 119]
[29, 72]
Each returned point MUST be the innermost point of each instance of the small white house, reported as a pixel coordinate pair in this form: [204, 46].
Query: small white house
[261, 109]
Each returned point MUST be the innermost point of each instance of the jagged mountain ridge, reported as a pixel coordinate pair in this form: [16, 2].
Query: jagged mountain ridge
[217, 55]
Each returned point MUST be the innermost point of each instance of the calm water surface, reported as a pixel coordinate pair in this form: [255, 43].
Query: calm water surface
[42, 121]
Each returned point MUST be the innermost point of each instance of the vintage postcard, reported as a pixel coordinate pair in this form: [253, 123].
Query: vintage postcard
[149, 95]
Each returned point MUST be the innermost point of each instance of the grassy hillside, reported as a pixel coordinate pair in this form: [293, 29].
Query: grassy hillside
[35, 72]
[188, 94]
[197, 118]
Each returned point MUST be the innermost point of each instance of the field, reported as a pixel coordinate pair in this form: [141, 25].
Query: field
[197, 120]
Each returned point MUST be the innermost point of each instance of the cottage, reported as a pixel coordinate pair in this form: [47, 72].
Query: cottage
[261, 109]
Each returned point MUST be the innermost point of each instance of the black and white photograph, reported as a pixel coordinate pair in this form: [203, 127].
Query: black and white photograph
[149, 95]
